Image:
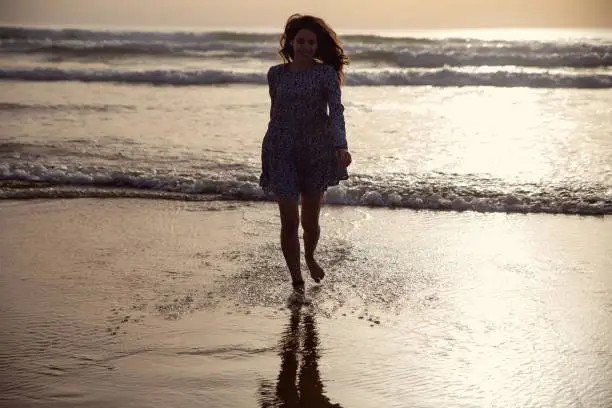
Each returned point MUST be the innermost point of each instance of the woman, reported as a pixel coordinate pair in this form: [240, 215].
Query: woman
[305, 149]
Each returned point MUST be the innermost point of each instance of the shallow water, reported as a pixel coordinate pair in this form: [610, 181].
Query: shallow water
[482, 149]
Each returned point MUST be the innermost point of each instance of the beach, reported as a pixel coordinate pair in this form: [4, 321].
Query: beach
[468, 254]
[148, 303]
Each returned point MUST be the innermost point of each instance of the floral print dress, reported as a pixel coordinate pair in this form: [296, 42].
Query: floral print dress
[298, 150]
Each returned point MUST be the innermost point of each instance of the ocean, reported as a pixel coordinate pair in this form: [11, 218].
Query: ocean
[485, 121]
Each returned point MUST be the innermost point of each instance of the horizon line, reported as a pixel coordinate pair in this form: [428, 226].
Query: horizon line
[266, 29]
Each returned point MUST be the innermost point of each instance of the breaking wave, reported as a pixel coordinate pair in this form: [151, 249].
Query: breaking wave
[445, 192]
[438, 77]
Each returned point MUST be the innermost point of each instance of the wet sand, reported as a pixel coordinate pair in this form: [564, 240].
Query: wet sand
[145, 303]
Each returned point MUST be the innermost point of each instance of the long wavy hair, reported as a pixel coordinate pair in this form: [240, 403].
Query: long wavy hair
[329, 49]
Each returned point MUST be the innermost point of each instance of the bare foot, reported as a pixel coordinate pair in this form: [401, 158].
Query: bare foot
[316, 272]
[298, 286]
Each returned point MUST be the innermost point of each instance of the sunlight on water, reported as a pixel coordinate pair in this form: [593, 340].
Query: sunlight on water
[516, 135]
[487, 147]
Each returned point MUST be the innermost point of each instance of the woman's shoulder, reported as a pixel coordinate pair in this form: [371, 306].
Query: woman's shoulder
[277, 68]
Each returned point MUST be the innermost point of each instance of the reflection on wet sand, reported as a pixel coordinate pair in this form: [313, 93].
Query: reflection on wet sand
[299, 382]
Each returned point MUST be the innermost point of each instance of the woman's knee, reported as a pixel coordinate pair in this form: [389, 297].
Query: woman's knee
[290, 217]
[311, 208]
[310, 225]
[290, 226]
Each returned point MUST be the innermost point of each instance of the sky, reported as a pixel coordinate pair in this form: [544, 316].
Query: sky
[341, 14]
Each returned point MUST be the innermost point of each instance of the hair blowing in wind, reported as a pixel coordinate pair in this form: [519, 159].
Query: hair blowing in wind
[329, 48]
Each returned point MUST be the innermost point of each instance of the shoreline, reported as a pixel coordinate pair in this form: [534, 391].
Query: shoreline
[19, 190]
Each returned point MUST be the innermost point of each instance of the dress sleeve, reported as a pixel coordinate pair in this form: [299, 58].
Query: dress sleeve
[272, 88]
[336, 109]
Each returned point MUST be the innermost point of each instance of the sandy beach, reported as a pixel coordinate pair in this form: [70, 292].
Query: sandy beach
[155, 303]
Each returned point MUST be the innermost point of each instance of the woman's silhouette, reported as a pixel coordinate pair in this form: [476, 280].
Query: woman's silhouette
[297, 386]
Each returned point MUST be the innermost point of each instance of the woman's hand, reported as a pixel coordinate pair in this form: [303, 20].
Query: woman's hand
[344, 157]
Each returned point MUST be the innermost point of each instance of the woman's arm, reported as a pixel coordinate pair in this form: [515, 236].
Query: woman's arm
[336, 109]
[272, 88]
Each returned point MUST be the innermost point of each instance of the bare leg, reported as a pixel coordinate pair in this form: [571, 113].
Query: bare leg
[290, 242]
[311, 208]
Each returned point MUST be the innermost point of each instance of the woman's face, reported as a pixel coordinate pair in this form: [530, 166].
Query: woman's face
[304, 45]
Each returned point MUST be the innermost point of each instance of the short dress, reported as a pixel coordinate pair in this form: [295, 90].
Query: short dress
[298, 149]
